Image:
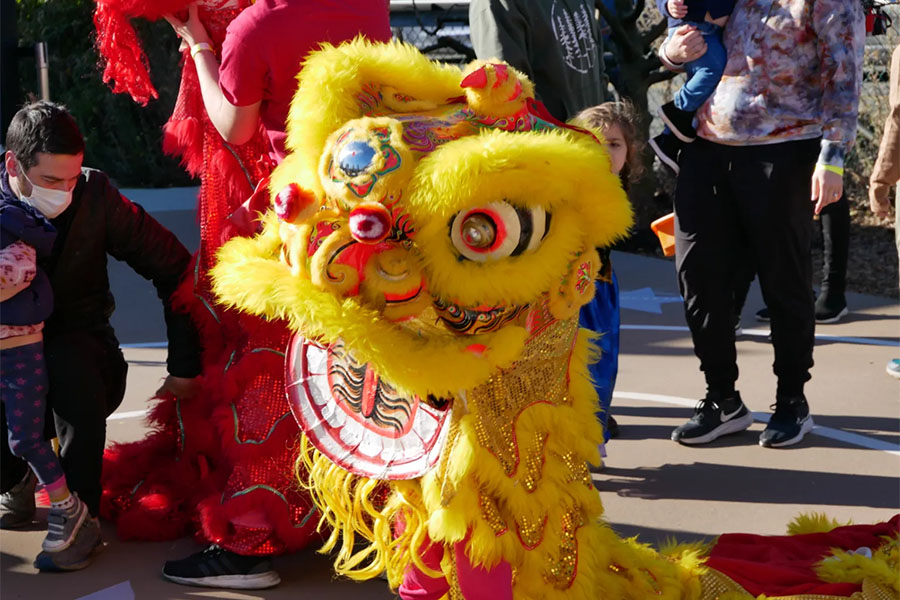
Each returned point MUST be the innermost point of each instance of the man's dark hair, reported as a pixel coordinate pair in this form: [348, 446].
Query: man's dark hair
[43, 126]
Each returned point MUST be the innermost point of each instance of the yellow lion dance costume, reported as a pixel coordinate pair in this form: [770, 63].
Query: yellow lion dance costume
[432, 242]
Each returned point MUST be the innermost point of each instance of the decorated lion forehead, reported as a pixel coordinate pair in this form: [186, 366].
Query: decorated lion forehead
[428, 219]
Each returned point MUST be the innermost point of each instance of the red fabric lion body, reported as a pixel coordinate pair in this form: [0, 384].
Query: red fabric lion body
[219, 465]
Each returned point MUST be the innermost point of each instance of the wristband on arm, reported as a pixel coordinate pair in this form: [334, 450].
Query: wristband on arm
[831, 168]
[200, 47]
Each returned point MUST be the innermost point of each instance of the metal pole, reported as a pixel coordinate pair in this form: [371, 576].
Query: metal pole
[9, 74]
[42, 64]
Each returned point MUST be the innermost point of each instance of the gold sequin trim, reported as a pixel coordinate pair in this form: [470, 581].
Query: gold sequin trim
[716, 585]
[531, 531]
[540, 375]
[454, 593]
[578, 469]
[448, 488]
[534, 461]
[562, 572]
[491, 514]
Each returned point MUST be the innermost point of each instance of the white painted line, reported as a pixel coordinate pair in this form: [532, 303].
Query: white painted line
[765, 333]
[146, 345]
[655, 398]
[854, 439]
[839, 435]
[131, 414]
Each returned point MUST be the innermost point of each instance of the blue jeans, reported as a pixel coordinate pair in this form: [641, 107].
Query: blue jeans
[601, 316]
[705, 72]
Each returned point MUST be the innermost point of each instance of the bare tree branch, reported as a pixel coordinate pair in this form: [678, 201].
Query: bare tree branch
[649, 36]
[650, 63]
[658, 76]
[632, 16]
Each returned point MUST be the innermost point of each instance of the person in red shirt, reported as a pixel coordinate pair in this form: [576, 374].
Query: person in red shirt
[261, 54]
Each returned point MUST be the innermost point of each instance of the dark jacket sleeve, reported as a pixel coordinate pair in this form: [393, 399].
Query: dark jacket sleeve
[499, 30]
[136, 238]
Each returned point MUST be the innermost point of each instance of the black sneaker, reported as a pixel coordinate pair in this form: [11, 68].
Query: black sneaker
[763, 315]
[713, 418]
[831, 309]
[680, 122]
[667, 148]
[612, 427]
[219, 568]
[788, 425]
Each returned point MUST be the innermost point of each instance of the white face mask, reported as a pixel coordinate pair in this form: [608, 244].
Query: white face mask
[51, 203]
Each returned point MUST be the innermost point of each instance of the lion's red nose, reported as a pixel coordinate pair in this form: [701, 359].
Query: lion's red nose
[370, 223]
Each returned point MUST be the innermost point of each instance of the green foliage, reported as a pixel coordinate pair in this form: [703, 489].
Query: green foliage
[122, 137]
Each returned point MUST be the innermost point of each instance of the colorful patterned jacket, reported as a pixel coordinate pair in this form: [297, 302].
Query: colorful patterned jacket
[794, 72]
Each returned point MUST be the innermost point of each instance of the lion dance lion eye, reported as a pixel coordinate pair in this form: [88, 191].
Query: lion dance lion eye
[479, 231]
[356, 158]
[497, 230]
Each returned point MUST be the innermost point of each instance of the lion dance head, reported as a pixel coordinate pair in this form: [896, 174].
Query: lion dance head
[431, 239]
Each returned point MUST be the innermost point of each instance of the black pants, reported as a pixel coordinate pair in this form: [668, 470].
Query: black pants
[736, 204]
[835, 219]
[87, 383]
[835, 224]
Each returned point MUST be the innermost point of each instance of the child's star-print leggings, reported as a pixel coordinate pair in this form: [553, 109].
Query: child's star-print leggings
[23, 390]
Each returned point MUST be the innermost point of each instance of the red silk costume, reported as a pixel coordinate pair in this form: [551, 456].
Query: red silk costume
[219, 465]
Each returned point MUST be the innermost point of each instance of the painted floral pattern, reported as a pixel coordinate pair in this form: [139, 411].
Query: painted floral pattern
[17, 268]
[794, 72]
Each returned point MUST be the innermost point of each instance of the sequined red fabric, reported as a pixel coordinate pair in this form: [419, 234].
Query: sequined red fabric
[220, 465]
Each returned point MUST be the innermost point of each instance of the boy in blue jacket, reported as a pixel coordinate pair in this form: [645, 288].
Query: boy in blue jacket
[709, 18]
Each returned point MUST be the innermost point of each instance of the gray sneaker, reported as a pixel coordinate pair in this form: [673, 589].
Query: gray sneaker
[17, 505]
[88, 543]
[63, 525]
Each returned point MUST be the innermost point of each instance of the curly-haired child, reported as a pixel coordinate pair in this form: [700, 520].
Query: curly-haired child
[618, 123]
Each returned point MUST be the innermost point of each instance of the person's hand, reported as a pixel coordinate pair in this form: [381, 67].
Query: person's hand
[881, 208]
[183, 388]
[685, 45]
[827, 188]
[191, 31]
[677, 8]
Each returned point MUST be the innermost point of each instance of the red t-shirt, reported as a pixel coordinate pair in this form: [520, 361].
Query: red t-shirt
[265, 45]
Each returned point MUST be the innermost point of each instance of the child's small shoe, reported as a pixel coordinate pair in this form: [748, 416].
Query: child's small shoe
[63, 525]
[667, 148]
[680, 122]
[88, 542]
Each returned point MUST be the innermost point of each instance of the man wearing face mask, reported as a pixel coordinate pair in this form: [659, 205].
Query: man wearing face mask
[43, 168]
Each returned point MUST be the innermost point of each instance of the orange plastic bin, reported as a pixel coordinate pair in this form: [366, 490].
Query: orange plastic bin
[664, 228]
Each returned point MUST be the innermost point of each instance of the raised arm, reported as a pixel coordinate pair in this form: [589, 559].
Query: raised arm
[236, 124]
